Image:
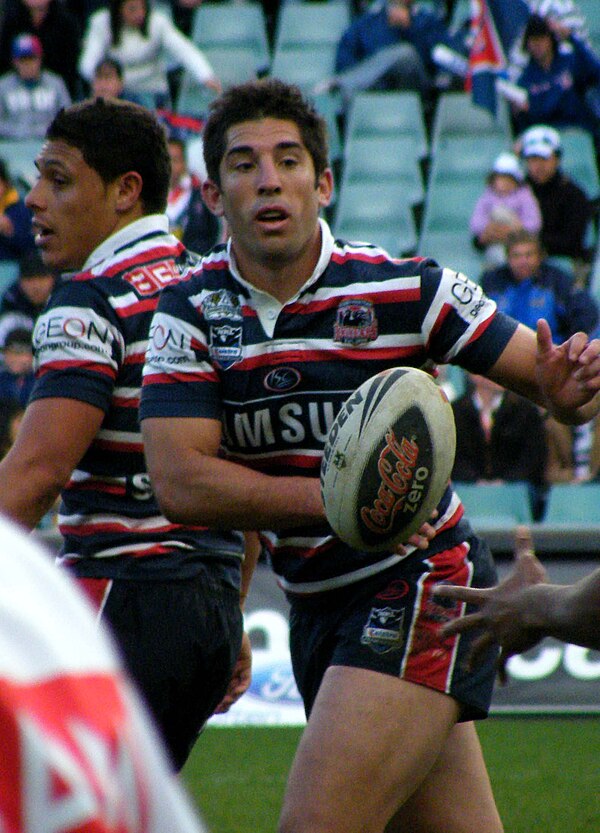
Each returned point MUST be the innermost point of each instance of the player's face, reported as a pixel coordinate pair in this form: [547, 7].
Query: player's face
[73, 209]
[268, 193]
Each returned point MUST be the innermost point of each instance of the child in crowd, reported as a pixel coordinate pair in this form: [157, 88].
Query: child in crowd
[507, 204]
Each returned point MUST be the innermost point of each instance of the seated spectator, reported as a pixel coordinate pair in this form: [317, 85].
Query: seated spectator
[30, 96]
[499, 438]
[16, 370]
[139, 36]
[11, 416]
[189, 218]
[16, 236]
[528, 288]
[26, 298]
[396, 46]
[566, 209]
[58, 31]
[562, 82]
[507, 204]
[108, 79]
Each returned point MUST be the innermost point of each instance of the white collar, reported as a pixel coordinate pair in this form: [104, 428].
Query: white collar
[125, 236]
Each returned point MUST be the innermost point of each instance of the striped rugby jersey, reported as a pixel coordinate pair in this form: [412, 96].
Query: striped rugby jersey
[89, 345]
[276, 375]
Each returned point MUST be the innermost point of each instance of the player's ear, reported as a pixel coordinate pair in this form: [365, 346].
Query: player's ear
[325, 187]
[129, 190]
[211, 194]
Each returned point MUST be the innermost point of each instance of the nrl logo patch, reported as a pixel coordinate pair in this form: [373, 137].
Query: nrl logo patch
[383, 630]
[222, 304]
[355, 323]
[225, 344]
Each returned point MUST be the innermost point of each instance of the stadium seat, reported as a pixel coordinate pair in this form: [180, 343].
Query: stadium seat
[575, 504]
[376, 213]
[9, 272]
[579, 159]
[328, 105]
[311, 23]
[497, 505]
[385, 159]
[304, 64]
[590, 9]
[455, 114]
[388, 114]
[19, 155]
[228, 24]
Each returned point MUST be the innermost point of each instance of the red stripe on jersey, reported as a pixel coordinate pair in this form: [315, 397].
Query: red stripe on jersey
[120, 446]
[300, 461]
[96, 486]
[134, 358]
[328, 355]
[105, 369]
[120, 402]
[143, 305]
[171, 378]
[92, 528]
[430, 660]
[482, 327]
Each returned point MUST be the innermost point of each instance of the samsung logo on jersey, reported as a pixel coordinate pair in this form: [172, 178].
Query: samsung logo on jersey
[291, 424]
[281, 379]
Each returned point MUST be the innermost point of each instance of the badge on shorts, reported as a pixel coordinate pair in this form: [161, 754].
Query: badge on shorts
[383, 630]
[225, 344]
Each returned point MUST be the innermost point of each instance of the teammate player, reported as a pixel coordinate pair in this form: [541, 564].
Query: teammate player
[248, 364]
[78, 750]
[170, 592]
[525, 607]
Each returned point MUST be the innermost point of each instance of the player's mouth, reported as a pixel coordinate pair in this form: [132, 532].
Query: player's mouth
[272, 217]
[41, 233]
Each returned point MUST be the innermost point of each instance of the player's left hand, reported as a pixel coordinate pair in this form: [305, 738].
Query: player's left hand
[569, 373]
[502, 614]
[240, 679]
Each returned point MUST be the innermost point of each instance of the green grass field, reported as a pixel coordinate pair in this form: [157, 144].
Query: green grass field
[545, 772]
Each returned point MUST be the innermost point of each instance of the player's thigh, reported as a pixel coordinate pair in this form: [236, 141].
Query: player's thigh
[370, 741]
[456, 796]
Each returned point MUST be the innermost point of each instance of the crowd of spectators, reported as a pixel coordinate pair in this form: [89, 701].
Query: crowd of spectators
[530, 211]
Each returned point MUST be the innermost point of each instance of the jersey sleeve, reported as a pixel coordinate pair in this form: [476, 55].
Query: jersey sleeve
[78, 346]
[179, 378]
[462, 325]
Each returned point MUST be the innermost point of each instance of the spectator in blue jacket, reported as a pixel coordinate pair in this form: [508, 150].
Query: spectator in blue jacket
[396, 46]
[562, 81]
[528, 288]
[16, 236]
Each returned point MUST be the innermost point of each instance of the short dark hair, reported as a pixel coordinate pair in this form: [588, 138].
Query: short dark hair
[4, 172]
[259, 99]
[518, 236]
[117, 136]
[538, 27]
[109, 63]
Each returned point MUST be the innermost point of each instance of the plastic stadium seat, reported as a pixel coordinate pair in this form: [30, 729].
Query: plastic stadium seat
[500, 505]
[573, 504]
[465, 156]
[232, 65]
[20, 155]
[316, 23]
[456, 114]
[579, 159]
[385, 159]
[376, 214]
[388, 114]
[304, 64]
[591, 11]
[229, 24]
[328, 105]
[9, 272]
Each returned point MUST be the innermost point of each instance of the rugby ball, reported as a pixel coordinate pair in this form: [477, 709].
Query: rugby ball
[387, 459]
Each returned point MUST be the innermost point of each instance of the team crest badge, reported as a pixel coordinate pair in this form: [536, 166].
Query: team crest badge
[383, 630]
[355, 323]
[225, 344]
[222, 304]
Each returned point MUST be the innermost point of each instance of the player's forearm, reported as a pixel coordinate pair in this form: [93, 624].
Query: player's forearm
[27, 491]
[214, 492]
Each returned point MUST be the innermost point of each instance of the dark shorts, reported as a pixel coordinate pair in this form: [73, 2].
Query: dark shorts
[390, 623]
[180, 640]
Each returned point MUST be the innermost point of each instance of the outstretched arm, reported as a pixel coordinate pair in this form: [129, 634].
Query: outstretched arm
[524, 608]
[564, 378]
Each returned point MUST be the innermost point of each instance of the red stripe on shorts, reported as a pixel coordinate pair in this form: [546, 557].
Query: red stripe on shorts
[96, 590]
[429, 660]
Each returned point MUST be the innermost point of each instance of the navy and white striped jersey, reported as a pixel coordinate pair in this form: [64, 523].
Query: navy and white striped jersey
[276, 375]
[89, 345]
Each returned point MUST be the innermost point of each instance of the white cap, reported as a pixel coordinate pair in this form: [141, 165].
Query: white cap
[541, 140]
[508, 164]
